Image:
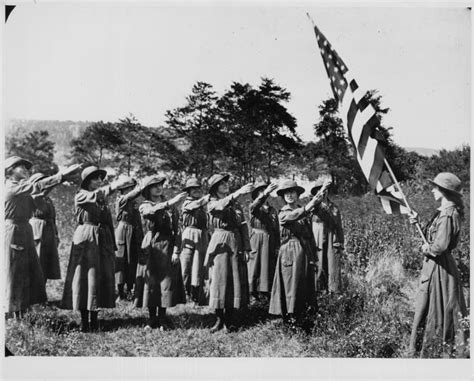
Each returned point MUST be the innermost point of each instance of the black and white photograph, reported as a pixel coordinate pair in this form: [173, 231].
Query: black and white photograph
[229, 186]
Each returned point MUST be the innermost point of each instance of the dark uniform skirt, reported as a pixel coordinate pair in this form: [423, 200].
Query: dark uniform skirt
[293, 283]
[91, 271]
[261, 265]
[228, 283]
[24, 277]
[159, 283]
[44, 234]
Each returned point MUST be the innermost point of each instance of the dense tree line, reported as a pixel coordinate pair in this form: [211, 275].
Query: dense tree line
[247, 131]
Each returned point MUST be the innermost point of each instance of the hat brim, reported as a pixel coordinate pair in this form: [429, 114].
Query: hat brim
[224, 178]
[28, 164]
[445, 189]
[298, 189]
[187, 189]
[258, 189]
[148, 186]
[125, 186]
[98, 172]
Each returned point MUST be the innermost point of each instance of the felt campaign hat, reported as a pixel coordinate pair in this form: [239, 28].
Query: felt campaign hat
[257, 188]
[130, 182]
[448, 182]
[150, 181]
[319, 183]
[15, 161]
[90, 172]
[191, 183]
[288, 185]
[216, 179]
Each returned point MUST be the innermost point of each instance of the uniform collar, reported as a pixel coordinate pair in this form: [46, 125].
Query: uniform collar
[449, 204]
[288, 207]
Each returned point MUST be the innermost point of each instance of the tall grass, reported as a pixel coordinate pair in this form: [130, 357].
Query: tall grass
[371, 318]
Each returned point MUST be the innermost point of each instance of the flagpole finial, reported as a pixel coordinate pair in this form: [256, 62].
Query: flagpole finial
[310, 19]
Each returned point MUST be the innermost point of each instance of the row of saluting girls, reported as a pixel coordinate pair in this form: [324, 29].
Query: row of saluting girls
[163, 256]
[166, 263]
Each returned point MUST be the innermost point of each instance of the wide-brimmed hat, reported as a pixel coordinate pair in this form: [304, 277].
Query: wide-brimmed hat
[15, 161]
[148, 181]
[90, 172]
[447, 181]
[191, 183]
[216, 179]
[320, 181]
[128, 182]
[289, 185]
[257, 188]
[37, 177]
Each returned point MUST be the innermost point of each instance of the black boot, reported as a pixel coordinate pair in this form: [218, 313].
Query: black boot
[84, 321]
[164, 322]
[195, 294]
[94, 324]
[230, 320]
[121, 293]
[152, 319]
[219, 321]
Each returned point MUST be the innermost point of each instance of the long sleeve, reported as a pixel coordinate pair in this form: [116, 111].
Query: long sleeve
[289, 216]
[87, 197]
[443, 236]
[176, 230]
[257, 204]
[25, 187]
[147, 209]
[243, 230]
[218, 205]
[190, 205]
[134, 193]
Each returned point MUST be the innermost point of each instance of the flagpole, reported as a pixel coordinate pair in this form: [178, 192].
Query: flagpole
[404, 198]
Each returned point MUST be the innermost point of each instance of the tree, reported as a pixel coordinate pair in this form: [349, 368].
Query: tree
[260, 130]
[34, 146]
[198, 123]
[97, 144]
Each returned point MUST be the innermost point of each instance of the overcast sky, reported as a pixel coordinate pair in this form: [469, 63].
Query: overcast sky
[89, 61]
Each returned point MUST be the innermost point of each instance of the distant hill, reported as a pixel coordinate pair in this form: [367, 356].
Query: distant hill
[61, 132]
[423, 151]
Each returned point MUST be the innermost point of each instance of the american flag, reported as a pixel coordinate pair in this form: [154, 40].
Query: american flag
[360, 121]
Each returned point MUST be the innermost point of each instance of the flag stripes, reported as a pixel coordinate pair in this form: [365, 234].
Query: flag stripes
[361, 121]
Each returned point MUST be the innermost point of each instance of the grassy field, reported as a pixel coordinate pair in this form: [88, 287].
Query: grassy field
[371, 318]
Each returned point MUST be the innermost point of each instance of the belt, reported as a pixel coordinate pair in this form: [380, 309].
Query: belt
[258, 230]
[91, 223]
[224, 230]
[195, 227]
[17, 221]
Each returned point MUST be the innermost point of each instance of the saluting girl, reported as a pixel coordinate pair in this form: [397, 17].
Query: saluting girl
[293, 285]
[227, 252]
[24, 281]
[128, 236]
[90, 275]
[159, 284]
[264, 240]
[194, 239]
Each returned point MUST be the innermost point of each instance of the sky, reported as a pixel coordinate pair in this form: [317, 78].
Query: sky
[102, 61]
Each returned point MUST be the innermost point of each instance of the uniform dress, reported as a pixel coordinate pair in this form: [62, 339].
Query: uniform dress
[129, 237]
[329, 241]
[24, 277]
[45, 234]
[293, 283]
[159, 283]
[194, 242]
[264, 241]
[91, 271]
[440, 300]
[228, 279]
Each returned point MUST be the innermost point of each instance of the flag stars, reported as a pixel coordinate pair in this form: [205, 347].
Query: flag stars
[325, 43]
